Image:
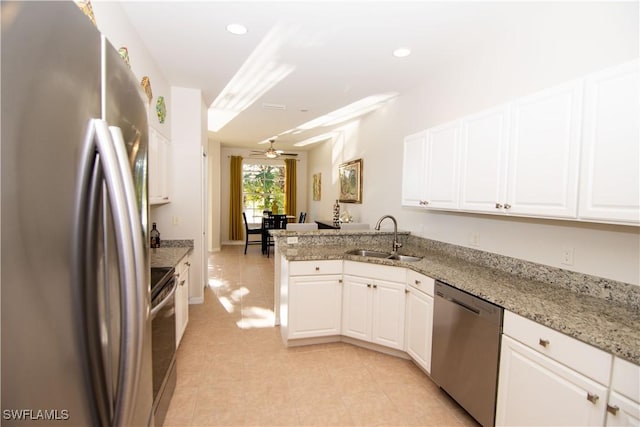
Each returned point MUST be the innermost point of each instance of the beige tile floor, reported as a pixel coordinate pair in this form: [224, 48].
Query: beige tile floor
[233, 369]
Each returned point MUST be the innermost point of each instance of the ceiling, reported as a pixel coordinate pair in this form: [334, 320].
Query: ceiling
[331, 54]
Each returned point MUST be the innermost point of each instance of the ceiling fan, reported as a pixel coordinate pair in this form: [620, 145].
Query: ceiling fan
[271, 152]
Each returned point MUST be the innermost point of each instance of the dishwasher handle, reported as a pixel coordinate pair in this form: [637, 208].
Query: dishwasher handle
[460, 303]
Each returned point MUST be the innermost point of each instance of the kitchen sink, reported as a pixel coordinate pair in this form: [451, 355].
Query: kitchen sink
[408, 258]
[385, 255]
[365, 252]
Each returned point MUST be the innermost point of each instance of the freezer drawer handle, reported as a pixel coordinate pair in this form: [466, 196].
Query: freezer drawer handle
[593, 398]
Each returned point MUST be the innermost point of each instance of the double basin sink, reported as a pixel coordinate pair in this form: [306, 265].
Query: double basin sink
[384, 255]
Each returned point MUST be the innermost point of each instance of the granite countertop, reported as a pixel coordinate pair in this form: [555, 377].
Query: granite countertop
[596, 321]
[167, 256]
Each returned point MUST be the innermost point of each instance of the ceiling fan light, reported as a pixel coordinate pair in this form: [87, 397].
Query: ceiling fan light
[271, 154]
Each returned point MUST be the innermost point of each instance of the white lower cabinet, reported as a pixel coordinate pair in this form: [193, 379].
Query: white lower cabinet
[182, 297]
[548, 378]
[419, 318]
[314, 299]
[373, 309]
[623, 408]
[535, 390]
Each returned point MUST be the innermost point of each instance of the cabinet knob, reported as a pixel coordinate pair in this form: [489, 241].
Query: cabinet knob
[406, 291]
[368, 285]
[593, 398]
[543, 343]
[612, 409]
[498, 205]
[188, 264]
[417, 282]
[182, 282]
[507, 206]
[317, 268]
[375, 286]
[339, 280]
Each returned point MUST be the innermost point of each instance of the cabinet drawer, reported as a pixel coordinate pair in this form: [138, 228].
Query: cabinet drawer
[420, 281]
[309, 268]
[626, 379]
[584, 358]
[183, 264]
[381, 272]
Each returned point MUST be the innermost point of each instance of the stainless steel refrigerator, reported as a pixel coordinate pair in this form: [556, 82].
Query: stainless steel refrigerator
[76, 331]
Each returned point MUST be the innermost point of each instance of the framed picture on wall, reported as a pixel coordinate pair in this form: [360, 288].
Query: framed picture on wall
[317, 186]
[350, 177]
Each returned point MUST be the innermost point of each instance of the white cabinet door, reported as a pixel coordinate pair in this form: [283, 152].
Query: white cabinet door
[544, 153]
[535, 390]
[413, 170]
[483, 158]
[158, 168]
[182, 298]
[418, 327]
[622, 411]
[356, 307]
[315, 303]
[441, 166]
[610, 181]
[373, 311]
[388, 314]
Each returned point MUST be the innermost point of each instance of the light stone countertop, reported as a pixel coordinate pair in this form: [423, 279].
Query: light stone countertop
[609, 326]
[167, 256]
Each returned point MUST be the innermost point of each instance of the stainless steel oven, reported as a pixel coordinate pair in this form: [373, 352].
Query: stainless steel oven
[163, 339]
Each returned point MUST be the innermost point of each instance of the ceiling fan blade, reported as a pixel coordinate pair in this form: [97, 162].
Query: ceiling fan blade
[289, 154]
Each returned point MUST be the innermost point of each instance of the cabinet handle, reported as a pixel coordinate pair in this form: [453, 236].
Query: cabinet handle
[612, 409]
[317, 268]
[368, 285]
[593, 398]
[188, 264]
[543, 343]
[498, 205]
[339, 280]
[417, 282]
[406, 291]
[375, 286]
[507, 206]
[182, 282]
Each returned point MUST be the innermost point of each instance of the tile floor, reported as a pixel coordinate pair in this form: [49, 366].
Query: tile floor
[233, 369]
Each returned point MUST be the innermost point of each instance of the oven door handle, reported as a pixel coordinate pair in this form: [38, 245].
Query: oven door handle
[164, 302]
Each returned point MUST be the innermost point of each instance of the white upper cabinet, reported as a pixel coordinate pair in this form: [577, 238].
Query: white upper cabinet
[430, 167]
[544, 148]
[610, 182]
[570, 152]
[442, 165]
[483, 164]
[413, 170]
[159, 154]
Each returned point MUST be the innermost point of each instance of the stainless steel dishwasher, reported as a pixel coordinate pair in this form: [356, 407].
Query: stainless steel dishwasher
[466, 350]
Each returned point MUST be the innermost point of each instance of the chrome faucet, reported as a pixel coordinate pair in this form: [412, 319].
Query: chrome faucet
[396, 245]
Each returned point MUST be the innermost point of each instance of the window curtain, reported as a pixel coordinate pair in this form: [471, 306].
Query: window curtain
[236, 227]
[290, 186]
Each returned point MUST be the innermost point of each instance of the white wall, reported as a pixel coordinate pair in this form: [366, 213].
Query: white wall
[548, 53]
[215, 184]
[184, 217]
[302, 194]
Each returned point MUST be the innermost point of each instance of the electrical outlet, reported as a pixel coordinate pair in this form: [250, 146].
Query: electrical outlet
[567, 255]
[175, 220]
[474, 239]
[292, 240]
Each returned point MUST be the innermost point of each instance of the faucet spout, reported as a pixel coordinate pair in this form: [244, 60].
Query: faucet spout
[396, 245]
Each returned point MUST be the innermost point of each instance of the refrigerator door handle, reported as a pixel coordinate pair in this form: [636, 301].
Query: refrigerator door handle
[131, 334]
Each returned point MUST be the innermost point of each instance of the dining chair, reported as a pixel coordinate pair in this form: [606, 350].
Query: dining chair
[248, 232]
[274, 222]
[303, 217]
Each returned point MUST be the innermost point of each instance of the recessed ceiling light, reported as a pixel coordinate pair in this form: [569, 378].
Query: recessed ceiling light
[402, 52]
[237, 29]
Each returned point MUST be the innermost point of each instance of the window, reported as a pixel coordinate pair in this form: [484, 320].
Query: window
[262, 189]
